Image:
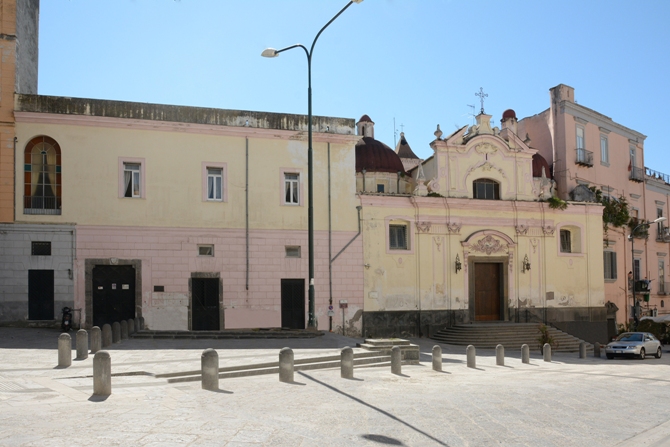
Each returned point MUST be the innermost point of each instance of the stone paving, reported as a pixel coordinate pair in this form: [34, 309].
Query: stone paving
[569, 402]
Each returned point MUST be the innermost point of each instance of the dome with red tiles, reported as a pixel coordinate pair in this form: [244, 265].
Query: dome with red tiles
[509, 113]
[375, 156]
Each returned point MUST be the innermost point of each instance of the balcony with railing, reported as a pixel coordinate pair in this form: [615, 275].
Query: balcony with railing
[650, 174]
[662, 233]
[584, 157]
[663, 287]
[636, 174]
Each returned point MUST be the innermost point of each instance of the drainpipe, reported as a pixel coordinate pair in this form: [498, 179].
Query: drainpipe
[16, 179]
[330, 249]
[246, 203]
[359, 208]
[363, 172]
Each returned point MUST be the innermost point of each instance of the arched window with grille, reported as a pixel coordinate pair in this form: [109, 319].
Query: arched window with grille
[42, 177]
[485, 189]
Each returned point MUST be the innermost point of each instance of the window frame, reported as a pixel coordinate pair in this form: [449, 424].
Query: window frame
[577, 137]
[604, 150]
[123, 161]
[205, 167]
[32, 201]
[409, 235]
[206, 246]
[283, 172]
[610, 265]
[577, 243]
[486, 182]
[561, 233]
[394, 228]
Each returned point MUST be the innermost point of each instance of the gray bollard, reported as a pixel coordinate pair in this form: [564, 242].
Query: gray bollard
[102, 374]
[209, 362]
[140, 324]
[96, 339]
[437, 358]
[500, 355]
[596, 350]
[582, 350]
[396, 360]
[471, 354]
[124, 329]
[546, 352]
[106, 335]
[64, 350]
[525, 353]
[82, 344]
[347, 363]
[286, 365]
[116, 332]
[131, 326]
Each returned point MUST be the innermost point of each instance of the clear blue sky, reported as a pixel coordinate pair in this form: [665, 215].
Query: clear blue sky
[418, 61]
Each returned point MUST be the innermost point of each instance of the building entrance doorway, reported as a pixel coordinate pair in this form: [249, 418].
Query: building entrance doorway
[40, 294]
[205, 304]
[113, 294]
[293, 303]
[488, 291]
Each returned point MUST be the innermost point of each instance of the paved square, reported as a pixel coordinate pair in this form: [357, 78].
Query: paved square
[569, 402]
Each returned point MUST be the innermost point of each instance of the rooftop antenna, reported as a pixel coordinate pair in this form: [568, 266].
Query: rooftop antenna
[472, 114]
[395, 134]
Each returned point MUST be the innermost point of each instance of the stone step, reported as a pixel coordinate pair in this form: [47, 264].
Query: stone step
[390, 342]
[226, 334]
[409, 351]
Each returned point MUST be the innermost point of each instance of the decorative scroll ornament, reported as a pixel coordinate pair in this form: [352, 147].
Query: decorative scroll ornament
[486, 148]
[438, 243]
[521, 229]
[511, 262]
[486, 166]
[488, 245]
[548, 230]
[423, 227]
[454, 227]
[533, 243]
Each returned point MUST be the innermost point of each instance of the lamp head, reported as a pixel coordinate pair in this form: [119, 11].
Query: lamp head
[660, 219]
[356, 1]
[269, 52]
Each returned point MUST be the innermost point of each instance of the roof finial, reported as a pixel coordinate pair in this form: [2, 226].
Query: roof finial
[438, 132]
[482, 95]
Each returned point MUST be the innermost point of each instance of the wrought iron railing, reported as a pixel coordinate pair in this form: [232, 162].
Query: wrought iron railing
[584, 157]
[650, 173]
[662, 233]
[636, 174]
[41, 205]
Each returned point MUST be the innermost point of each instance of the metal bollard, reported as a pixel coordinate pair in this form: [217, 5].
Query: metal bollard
[286, 365]
[102, 374]
[209, 362]
[471, 354]
[546, 352]
[396, 360]
[437, 358]
[64, 350]
[525, 353]
[582, 350]
[596, 350]
[96, 339]
[106, 335]
[131, 326]
[500, 355]
[347, 363]
[116, 332]
[124, 329]
[82, 344]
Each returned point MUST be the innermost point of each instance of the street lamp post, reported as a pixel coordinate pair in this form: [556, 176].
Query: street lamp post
[271, 52]
[631, 236]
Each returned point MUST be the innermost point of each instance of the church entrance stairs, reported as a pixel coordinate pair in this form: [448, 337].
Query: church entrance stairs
[510, 335]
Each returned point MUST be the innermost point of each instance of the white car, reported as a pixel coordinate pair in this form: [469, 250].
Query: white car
[634, 344]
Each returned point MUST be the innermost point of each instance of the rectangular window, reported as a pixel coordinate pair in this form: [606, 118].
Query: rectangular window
[661, 276]
[291, 189]
[292, 251]
[215, 184]
[633, 163]
[609, 258]
[398, 237]
[131, 180]
[580, 137]
[636, 270]
[40, 248]
[604, 149]
[566, 242]
[205, 250]
[380, 188]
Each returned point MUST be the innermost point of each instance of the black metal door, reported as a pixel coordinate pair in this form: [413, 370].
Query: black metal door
[41, 295]
[293, 303]
[113, 293]
[205, 304]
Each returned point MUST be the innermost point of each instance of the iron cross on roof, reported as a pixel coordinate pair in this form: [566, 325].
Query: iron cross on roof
[482, 95]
